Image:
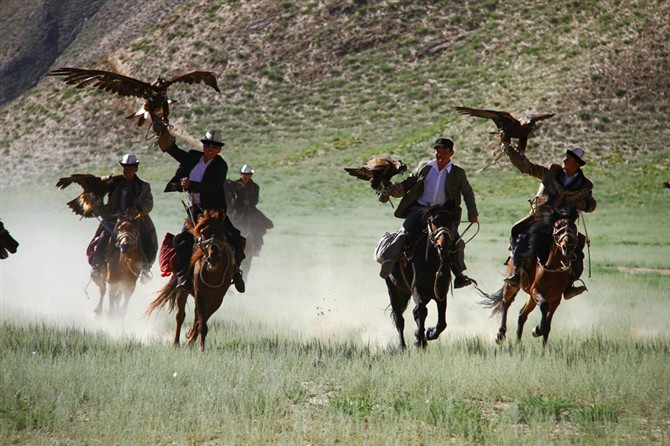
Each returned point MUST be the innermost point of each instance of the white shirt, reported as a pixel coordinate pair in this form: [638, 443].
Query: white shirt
[196, 175]
[433, 186]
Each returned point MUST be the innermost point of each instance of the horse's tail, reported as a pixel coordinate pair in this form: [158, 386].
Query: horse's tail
[493, 301]
[166, 296]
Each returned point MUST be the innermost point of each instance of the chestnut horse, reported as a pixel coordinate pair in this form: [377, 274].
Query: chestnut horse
[425, 275]
[544, 278]
[213, 264]
[122, 266]
[7, 244]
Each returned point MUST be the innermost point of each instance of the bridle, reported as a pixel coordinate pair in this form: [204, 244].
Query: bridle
[205, 243]
[126, 240]
[565, 239]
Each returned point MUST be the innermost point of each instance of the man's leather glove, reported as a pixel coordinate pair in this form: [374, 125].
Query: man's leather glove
[383, 197]
[395, 190]
[165, 139]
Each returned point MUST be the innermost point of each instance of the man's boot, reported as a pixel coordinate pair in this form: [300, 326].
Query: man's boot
[461, 280]
[96, 273]
[184, 282]
[238, 281]
[458, 266]
[572, 291]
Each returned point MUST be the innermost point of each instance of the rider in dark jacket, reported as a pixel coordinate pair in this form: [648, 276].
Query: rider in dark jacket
[202, 175]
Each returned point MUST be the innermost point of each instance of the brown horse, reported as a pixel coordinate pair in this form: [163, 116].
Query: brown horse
[544, 279]
[213, 264]
[425, 275]
[122, 266]
[7, 244]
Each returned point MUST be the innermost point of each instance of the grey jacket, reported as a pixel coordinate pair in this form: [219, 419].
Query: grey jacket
[455, 186]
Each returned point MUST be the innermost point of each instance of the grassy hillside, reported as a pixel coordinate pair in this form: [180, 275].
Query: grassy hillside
[309, 87]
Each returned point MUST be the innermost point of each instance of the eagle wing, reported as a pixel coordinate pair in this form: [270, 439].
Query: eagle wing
[195, 77]
[104, 80]
[378, 171]
[502, 119]
[90, 202]
[539, 116]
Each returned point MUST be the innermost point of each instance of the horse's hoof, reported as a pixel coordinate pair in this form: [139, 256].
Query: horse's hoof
[500, 339]
[536, 333]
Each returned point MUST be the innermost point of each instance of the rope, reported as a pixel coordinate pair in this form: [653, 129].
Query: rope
[588, 240]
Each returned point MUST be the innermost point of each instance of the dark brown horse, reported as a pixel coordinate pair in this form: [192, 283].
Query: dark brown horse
[425, 275]
[544, 278]
[213, 266]
[7, 244]
[123, 257]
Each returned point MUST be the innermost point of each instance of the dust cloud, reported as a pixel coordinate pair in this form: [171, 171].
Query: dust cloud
[311, 280]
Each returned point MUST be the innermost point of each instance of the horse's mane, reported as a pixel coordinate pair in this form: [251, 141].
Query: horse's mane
[541, 230]
[427, 211]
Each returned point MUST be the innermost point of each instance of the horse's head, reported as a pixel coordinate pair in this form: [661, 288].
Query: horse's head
[7, 242]
[127, 233]
[565, 232]
[439, 223]
[210, 234]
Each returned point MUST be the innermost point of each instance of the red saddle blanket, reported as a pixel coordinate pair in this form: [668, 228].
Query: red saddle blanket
[166, 257]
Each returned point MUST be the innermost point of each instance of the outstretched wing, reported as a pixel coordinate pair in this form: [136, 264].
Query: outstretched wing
[195, 77]
[538, 116]
[90, 202]
[103, 80]
[502, 119]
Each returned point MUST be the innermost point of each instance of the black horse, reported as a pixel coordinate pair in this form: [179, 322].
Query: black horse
[424, 273]
[7, 243]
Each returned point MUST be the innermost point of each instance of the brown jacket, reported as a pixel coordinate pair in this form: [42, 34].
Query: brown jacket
[552, 192]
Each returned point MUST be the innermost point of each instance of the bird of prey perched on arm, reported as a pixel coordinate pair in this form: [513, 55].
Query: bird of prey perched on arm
[157, 103]
[378, 171]
[508, 126]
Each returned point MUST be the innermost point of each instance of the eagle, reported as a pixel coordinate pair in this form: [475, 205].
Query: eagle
[90, 202]
[508, 126]
[378, 171]
[157, 103]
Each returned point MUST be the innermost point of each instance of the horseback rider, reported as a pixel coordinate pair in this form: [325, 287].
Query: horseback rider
[436, 182]
[202, 175]
[243, 197]
[563, 187]
[128, 194]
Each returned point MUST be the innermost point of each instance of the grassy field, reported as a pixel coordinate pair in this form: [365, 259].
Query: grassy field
[308, 355]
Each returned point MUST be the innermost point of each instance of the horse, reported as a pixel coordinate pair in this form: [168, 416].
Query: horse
[7, 243]
[213, 265]
[425, 275]
[122, 266]
[544, 277]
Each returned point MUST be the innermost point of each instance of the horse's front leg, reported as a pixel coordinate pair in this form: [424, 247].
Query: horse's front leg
[528, 307]
[434, 332]
[127, 292]
[420, 313]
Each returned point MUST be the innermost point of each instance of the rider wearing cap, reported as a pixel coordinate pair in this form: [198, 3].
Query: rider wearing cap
[128, 194]
[563, 187]
[436, 182]
[202, 175]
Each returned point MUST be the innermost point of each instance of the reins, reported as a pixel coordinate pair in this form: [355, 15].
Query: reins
[203, 244]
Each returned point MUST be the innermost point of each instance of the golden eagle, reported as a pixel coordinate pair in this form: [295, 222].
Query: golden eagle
[508, 126]
[157, 104]
[90, 202]
[378, 171]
